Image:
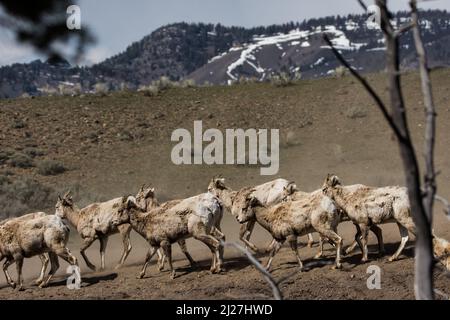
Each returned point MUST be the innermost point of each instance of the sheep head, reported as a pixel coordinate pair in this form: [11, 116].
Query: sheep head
[63, 204]
[441, 248]
[288, 190]
[332, 182]
[243, 205]
[146, 198]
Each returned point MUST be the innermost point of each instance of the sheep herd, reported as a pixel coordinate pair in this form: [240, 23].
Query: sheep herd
[285, 212]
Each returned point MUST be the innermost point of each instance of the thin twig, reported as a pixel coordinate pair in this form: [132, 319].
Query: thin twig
[445, 203]
[267, 276]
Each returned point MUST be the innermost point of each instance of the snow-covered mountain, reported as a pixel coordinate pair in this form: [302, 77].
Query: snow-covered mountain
[220, 55]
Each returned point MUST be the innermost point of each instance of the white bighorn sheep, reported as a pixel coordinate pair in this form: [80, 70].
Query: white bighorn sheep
[269, 194]
[368, 206]
[441, 248]
[96, 221]
[196, 217]
[146, 199]
[43, 257]
[291, 193]
[287, 220]
[26, 238]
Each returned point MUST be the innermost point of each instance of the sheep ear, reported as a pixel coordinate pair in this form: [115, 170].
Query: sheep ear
[142, 188]
[59, 197]
[131, 203]
[335, 181]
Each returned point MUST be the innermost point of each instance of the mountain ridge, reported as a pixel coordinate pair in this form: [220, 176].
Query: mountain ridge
[216, 54]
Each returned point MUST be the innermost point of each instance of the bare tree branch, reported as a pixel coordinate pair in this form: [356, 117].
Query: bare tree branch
[423, 279]
[445, 203]
[430, 130]
[404, 28]
[362, 4]
[267, 276]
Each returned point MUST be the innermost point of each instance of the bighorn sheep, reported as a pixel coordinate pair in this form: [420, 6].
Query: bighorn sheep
[287, 220]
[195, 217]
[368, 206]
[292, 193]
[25, 238]
[146, 200]
[96, 221]
[441, 248]
[269, 194]
[44, 257]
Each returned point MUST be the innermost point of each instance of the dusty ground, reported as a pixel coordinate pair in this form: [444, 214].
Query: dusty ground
[113, 144]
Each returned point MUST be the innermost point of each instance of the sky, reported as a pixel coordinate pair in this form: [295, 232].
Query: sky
[118, 23]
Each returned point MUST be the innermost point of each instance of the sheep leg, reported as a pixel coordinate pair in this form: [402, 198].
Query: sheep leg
[151, 252]
[167, 247]
[332, 236]
[274, 251]
[103, 242]
[320, 253]
[6, 265]
[355, 242]
[19, 265]
[219, 235]
[54, 266]
[310, 240]
[379, 234]
[363, 239]
[182, 244]
[244, 235]
[405, 236]
[124, 230]
[294, 246]
[214, 245]
[271, 245]
[45, 260]
[87, 243]
[161, 259]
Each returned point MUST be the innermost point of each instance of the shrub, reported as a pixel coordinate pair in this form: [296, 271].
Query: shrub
[20, 160]
[33, 152]
[340, 71]
[20, 196]
[18, 124]
[355, 112]
[281, 80]
[50, 168]
[149, 91]
[101, 89]
[188, 83]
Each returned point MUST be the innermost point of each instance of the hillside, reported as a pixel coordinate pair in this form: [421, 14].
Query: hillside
[111, 145]
[217, 54]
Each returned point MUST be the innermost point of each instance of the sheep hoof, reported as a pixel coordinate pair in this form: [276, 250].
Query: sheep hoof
[20, 288]
[318, 256]
[117, 267]
[336, 267]
[172, 275]
[140, 276]
[12, 284]
[391, 259]
[310, 244]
